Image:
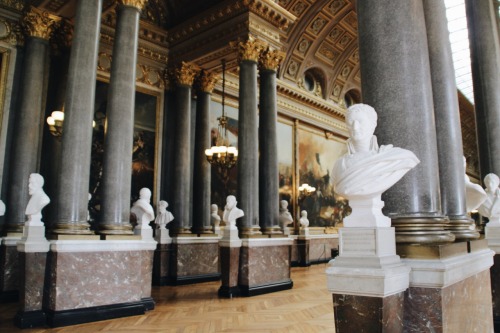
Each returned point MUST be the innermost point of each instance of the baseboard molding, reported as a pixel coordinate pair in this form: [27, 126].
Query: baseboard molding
[10, 296]
[97, 313]
[265, 289]
[192, 279]
[30, 319]
[149, 303]
[229, 292]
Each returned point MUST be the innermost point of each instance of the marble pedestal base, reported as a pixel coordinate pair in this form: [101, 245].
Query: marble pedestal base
[194, 260]
[97, 280]
[9, 269]
[303, 243]
[264, 265]
[451, 293]
[229, 260]
[161, 264]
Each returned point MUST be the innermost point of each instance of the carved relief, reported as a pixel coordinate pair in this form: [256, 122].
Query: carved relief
[249, 49]
[271, 59]
[292, 69]
[303, 46]
[328, 52]
[39, 23]
[345, 41]
[14, 4]
[335, 6]
[299, 8]
[318, 25]
[335, 33]
[139, 4]
[104, 62]
[186, 73]
[346, 71]
[351, 21]
[269, 11]
[207, 81]
[150, 76]
[11, 32]
[337, 89]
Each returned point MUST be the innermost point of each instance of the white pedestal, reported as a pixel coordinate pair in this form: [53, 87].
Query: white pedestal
[492, 235]
[367, 213]
[162, 236]
[367, 264]
[33, 239]
[304, 232]
[230, 234]
[146, 233]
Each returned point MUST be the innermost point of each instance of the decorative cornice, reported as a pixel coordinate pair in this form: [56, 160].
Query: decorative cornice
[39, 23]
[12, 32]
[271, 59]
[271, 12]
[249, 49]
[14, 4]
[186, 73]
[207, 81]
[139, 4]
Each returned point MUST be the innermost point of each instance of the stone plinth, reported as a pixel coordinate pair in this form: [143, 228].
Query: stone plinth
[161, 264]
[194, 260]
[451, 293]
[9, 269]
[264, 265]
[229, 259]
[98, 280]
[303, 244]
[320, 248]
[492, 235]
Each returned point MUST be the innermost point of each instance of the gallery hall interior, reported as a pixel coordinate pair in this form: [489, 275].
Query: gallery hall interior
[250, 166]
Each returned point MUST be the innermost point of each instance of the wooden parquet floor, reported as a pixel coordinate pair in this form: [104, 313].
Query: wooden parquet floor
[308, 307]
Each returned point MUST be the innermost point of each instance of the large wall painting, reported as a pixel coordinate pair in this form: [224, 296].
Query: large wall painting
[285, 162]
[316, 157]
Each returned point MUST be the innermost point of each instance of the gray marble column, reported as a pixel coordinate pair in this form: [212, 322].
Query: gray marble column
[201, 171]
[26, 142]
[268, 142]
[248, 149]
[397, 83]
[118, 143]
[448, 128]
[485, 60]
[73, 186]
[182, 150]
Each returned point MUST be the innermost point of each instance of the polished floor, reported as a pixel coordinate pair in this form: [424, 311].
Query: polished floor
[306, 308]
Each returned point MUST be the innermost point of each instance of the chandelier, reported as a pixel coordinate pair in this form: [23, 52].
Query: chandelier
[222, 156]
[55, 122]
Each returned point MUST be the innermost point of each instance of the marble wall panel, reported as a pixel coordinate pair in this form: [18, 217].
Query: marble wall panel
[462, 307]
[197, 259]
[295, 251]
[147, 272]
[88, 279]
[9, 268]
[32, 271]
[368, 314]
[161, 262]
[264, 265]
[230, 257]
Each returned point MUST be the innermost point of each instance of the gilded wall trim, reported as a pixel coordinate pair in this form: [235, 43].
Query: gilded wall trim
[11, 32]
[13, 4]
[207, 81]
[271, 59]
[249, 49]
[186, 73]
[39, 23]
[139, 4]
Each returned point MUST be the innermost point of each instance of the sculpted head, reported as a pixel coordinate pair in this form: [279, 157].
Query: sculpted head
[162, 205]
[230, 202]
[284, 204]
[35, 183]
[145, 193]
[491, 181]
[361, 120]
[214, 208]
[303, 213]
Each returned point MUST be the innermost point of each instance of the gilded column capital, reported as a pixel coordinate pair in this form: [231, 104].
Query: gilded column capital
[186, 74]
[207, 81]
[139, 4]
[271, 59]
[39, 23]
[249, 49]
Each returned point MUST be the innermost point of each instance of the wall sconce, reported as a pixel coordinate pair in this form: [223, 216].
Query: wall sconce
[306, 190]
[55, 122]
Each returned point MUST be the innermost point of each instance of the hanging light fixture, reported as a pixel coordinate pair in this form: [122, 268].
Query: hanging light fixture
[222, 155]
[55, 122]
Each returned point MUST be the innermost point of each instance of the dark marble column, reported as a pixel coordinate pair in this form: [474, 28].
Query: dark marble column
[268, 142]
[447, 115]
[248, 150]
[77, 129]
[397, 83]
[117, 176]
[485, 55]
[182, 165]
[201, 171]
[26, 141]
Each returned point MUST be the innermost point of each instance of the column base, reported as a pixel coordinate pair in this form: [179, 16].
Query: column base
[72, 228]
[464, 228]
[115, 229]
[30, 319]
[249, 232]
[272, 231]
[14, 229]
[422, 230]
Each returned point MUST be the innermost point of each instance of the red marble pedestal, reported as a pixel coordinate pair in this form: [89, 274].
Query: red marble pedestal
[230, 258]
[9, 270]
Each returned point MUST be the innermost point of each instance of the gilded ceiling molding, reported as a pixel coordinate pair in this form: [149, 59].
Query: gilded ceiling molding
[271, 59]
[207, 81]
[271, 12]
[249, 50]
[139, 4]
[186, 74]
[39, 23]
[14, 4]
[11, 32]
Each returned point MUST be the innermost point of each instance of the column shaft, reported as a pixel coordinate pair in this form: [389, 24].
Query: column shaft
[201, 172]
[248, 154]
[485, 55]
[77, 129]
[268, 166]
[447, 115]
[397, 83]
[26, 140]
[119, 138]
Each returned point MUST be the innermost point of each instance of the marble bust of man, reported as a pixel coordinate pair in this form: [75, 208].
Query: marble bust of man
[214, 216]
[367, 169]
[474, 193]
[231, 212]
[285, 218]
[143, 209]
[491, 206]
[304, 221]
[37, 201]
[164, 216]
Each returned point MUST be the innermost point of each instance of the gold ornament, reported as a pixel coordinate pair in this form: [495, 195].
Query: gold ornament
[139, 4]
[271, 59]
[207, 81]
[186, 73]
[39, 23]
[249, 49]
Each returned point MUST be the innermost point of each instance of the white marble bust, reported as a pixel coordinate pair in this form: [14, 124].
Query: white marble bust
[474, 193]
[143, 209]
[37, 201]
[231, 212]
[304, 221]
[2, 208]
[214, 216]
[285, 218]
[164, 217]
[491, 206]
[367, 170]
